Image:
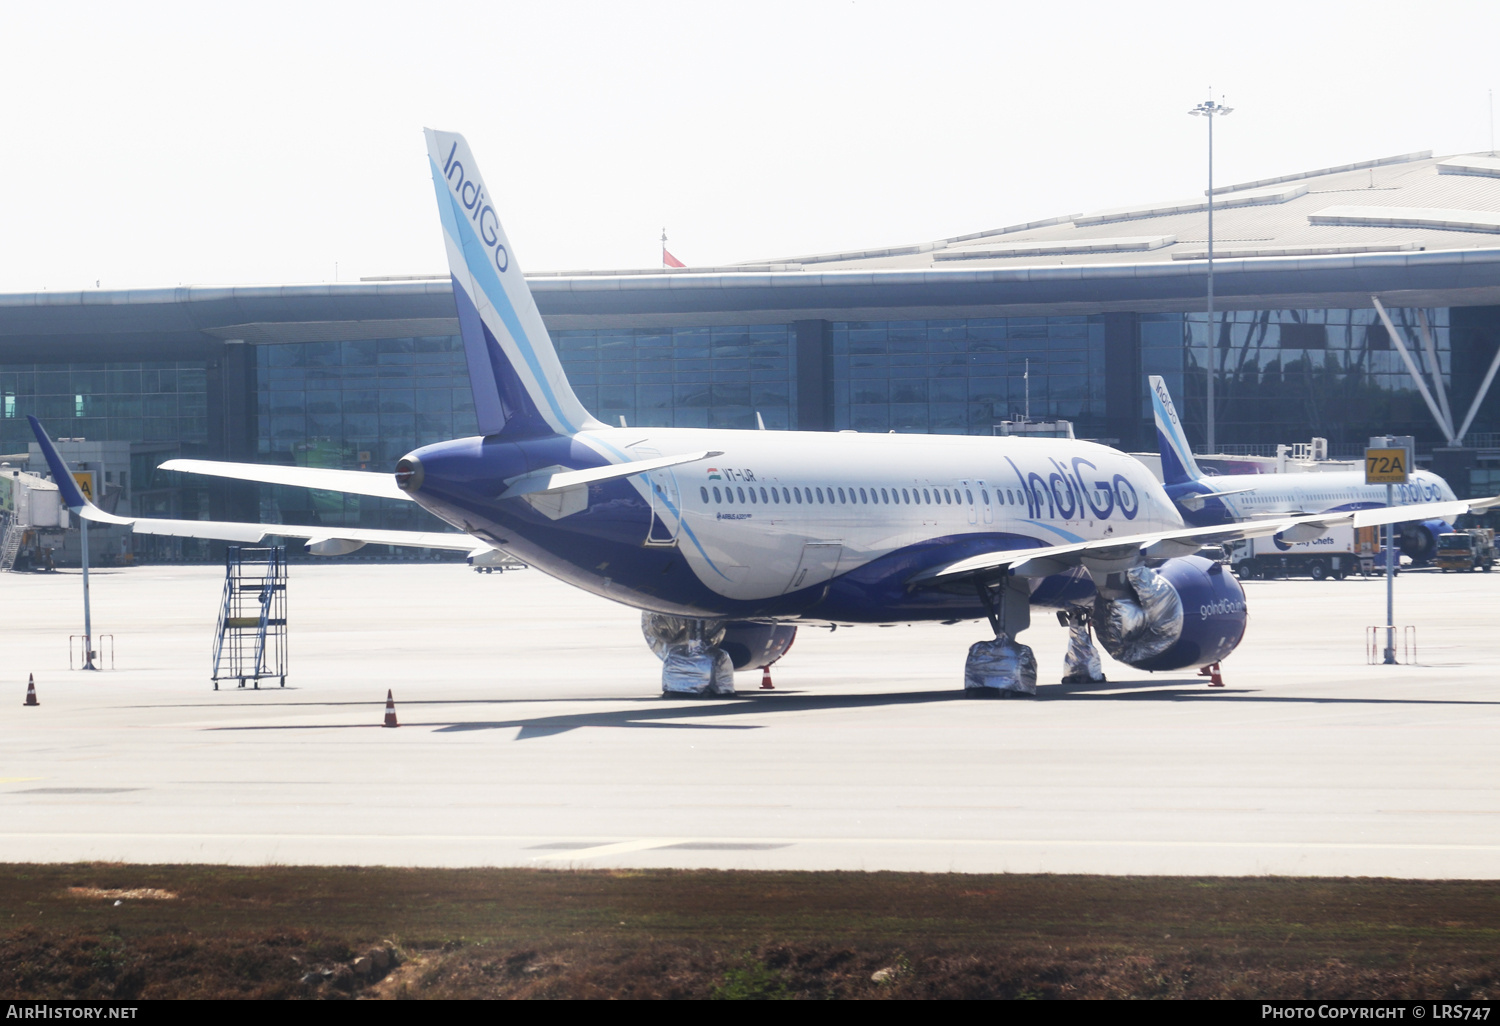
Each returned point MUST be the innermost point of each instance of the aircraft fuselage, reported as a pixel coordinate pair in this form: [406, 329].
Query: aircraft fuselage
[793, 525]
[1281, 494]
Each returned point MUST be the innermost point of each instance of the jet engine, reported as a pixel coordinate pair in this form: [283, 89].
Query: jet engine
[1418, 540]
[751, 645]
[1187, 612]
[748, 645]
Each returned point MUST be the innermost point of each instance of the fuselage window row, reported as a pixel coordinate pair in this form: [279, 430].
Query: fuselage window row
[836, 495]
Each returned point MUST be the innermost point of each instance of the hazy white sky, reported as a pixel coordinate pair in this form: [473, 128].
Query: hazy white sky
[158, 144]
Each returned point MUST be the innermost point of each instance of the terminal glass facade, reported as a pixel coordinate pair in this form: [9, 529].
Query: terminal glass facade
[964, 375]
[356, 405]
[684, 377]
[1286, 375]
[353, 404]
[107, 402]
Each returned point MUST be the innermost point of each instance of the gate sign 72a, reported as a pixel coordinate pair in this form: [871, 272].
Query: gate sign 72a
[1386, 466]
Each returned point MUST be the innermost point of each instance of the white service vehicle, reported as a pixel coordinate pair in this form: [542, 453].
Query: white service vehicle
[1333, 554]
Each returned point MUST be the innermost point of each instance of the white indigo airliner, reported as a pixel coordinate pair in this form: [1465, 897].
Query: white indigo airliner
[1204, 500]
[727, 540]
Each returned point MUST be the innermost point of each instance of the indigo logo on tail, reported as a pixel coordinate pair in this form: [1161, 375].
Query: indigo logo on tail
[470, 193]
[1177, 463]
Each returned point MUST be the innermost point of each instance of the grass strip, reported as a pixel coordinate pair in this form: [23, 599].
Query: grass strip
[130, 931]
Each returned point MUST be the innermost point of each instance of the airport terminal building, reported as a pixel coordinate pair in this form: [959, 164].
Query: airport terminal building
[953, 336]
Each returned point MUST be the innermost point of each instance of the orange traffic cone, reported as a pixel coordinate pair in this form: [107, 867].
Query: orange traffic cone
[390, 710]
[1211, 671]
[31, 690]
[765, 679]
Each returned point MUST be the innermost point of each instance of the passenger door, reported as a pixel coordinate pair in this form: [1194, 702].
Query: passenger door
[666, 501]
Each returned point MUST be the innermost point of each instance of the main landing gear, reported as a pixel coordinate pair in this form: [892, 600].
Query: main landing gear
[1005, 668]
[1081, 664]
[1002, 668]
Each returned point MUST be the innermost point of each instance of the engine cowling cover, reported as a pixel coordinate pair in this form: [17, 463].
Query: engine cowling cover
[748, 645]
[1187, 612]
[751, 645]
[664, 632]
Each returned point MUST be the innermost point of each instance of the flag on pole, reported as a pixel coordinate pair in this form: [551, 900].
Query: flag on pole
[667, 259]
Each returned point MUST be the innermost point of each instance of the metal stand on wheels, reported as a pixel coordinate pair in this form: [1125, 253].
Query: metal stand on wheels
[251, 643]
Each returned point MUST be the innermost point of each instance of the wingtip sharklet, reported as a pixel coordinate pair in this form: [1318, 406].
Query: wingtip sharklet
[62, 474]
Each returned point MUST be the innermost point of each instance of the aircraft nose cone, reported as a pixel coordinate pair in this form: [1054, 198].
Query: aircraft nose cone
[409, 474]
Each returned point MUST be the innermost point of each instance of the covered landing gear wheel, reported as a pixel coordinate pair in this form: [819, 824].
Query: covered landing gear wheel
[1081, 664]
[706, 673]
[692, 663]
[1002, 668]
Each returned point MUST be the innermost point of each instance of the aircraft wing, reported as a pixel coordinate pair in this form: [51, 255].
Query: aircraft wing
[354, 482]
[1104, 555]
[1111, 555]
[220, 530]
[231, 531]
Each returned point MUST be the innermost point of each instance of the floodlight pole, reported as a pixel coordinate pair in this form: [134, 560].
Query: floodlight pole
[88, 623]
[1208, 109]
[1390, 583]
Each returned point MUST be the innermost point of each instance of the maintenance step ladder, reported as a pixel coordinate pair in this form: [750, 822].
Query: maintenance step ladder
[10, 541]
[251, 643]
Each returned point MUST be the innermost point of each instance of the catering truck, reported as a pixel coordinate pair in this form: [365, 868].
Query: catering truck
[1333, 554]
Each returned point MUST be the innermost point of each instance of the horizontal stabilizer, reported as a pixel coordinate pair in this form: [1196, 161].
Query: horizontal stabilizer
[556, 479]
[1197, 500]
[352, 482]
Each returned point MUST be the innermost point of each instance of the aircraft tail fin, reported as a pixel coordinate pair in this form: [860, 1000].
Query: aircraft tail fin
[520, 390]
[1177, 463]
